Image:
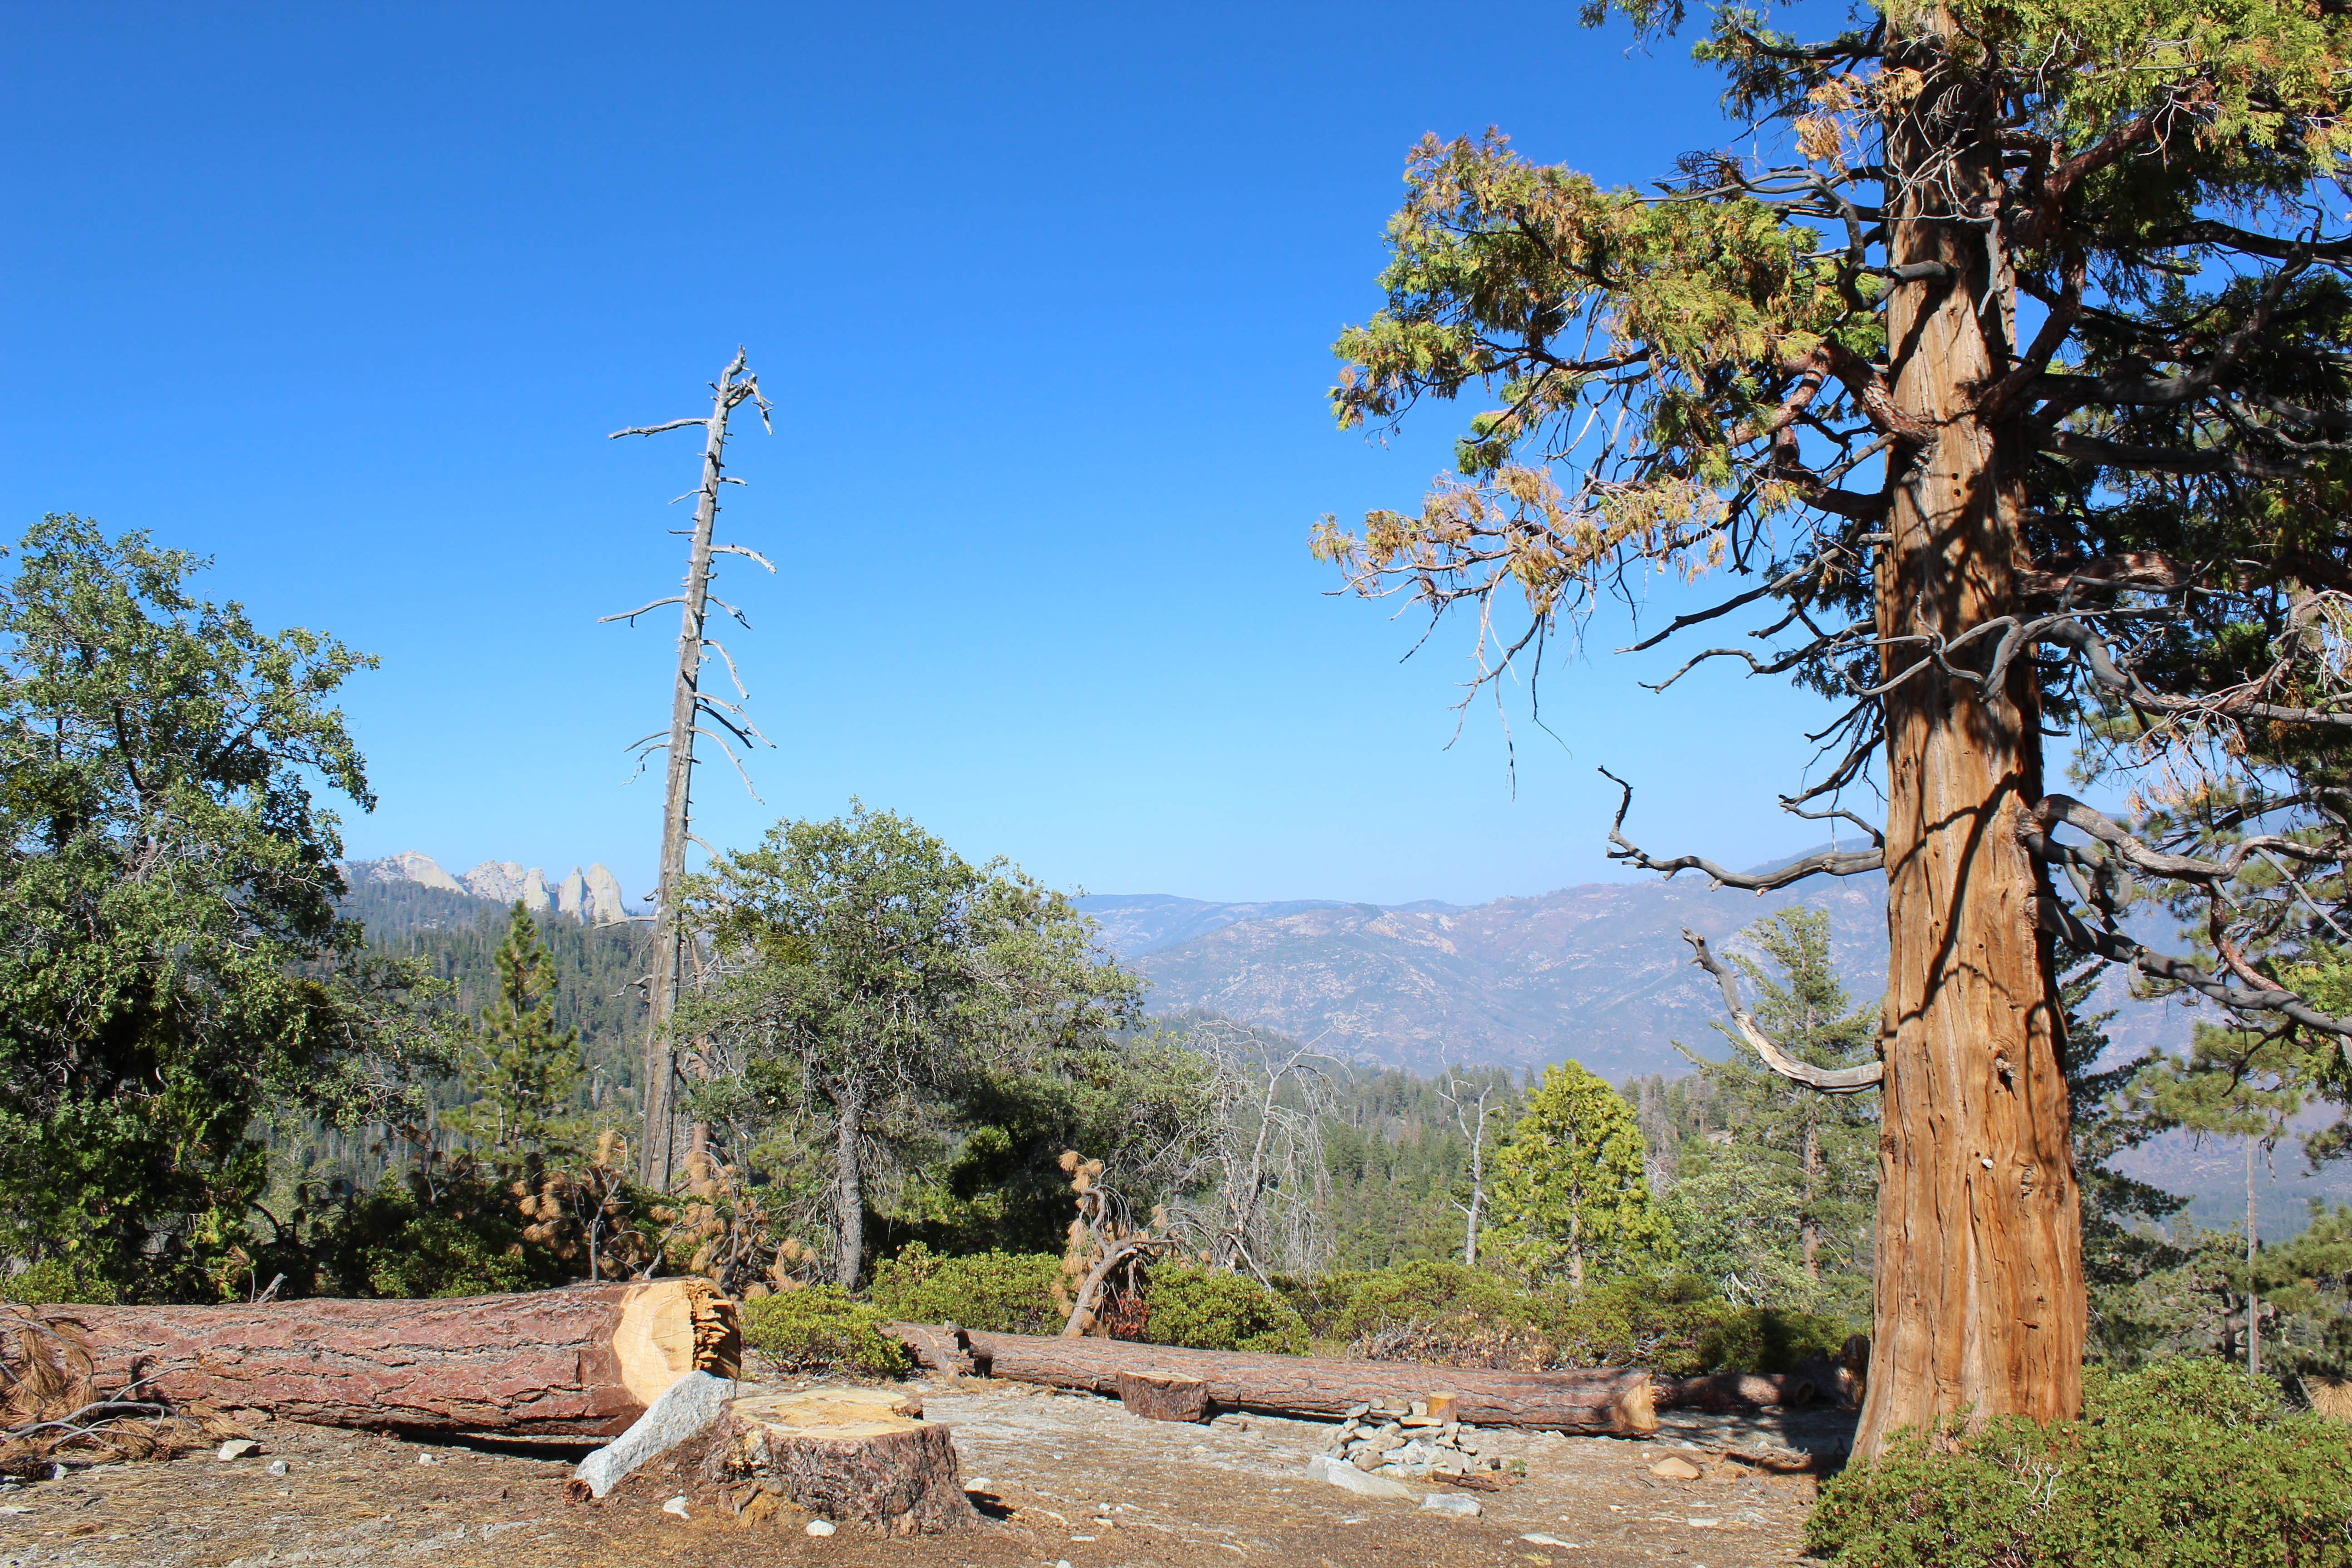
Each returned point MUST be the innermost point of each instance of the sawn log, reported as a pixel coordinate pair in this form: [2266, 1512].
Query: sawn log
[1604, 1402]
[581, 1361]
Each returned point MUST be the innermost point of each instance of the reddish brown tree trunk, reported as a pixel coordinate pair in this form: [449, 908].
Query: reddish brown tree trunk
[1603, 1402]
[1979, 1303]
[581, 1361]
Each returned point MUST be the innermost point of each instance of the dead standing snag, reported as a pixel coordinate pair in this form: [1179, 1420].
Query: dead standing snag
[690, 709]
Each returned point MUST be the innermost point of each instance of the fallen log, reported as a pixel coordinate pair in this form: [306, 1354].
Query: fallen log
[1603, 1402]
[582, 1361]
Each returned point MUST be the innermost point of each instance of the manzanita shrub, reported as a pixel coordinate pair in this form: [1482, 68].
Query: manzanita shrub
[2183, 1464]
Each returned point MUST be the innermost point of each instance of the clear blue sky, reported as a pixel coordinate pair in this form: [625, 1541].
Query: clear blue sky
[348, 295]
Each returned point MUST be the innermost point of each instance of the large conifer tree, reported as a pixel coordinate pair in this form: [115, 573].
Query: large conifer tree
[2015, 382]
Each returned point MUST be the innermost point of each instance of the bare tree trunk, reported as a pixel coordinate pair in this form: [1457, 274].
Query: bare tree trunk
[848, 1186]
[2253, 1301]
[1811, 1230]
[1979, 1293]
[1477, 1193]
[658, 1158]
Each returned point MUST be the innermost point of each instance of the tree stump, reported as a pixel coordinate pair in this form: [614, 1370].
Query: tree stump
[1163, 1398]
[850, 1454]
[582, 1361]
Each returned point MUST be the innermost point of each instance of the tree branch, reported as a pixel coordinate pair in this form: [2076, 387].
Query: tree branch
[1829, 1081]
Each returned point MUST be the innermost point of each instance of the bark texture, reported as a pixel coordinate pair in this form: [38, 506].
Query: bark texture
[584, 1361]
[1978, 1294]
[1162, 1398]
[855, 1456]
[1605, 1402]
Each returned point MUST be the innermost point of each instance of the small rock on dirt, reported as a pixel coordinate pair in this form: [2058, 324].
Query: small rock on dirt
[238, 1448]
[820, 1527]
[1458, 1504]
[277, 1467]
[676, 1505]
[1674, 1467]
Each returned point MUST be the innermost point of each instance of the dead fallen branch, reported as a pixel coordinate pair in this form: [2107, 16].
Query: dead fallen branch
[1606, 1402]
[580, 1361]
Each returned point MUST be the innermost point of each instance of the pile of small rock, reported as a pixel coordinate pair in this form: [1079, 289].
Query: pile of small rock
[1404, 1440]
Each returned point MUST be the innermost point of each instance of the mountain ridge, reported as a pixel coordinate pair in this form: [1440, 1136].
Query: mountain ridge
[593, 897]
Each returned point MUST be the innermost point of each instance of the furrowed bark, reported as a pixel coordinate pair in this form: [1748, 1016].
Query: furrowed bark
[1978, 1294]
[1603, 1402]
[581, 1361]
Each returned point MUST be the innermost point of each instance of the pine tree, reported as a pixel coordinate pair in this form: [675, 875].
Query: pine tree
[1790, 1182]
[522, 1072]
[1572, 1193]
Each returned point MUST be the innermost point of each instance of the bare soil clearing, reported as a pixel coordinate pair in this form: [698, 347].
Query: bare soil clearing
[1060, 1477]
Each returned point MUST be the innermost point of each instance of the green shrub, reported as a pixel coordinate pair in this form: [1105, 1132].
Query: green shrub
[1678, 1326]
[1681, 1328]
[54, 1281]
[1002, 1293]
[1429, 1295]
[2181, 1465]
[820, 1328]
[1216, 1312]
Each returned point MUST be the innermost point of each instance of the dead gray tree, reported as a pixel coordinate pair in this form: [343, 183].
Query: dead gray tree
[1471, 1116]
[690, 707]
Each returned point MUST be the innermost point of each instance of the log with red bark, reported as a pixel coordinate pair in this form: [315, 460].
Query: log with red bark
[1603, 1402]
[581, 1361]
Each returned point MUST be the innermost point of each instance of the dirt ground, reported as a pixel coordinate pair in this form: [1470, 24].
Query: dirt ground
[1064, 1482]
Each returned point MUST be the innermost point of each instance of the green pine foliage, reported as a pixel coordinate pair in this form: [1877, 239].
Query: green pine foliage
[1775, 1202]
[524, 1073]
[1572, 1193]
[2182, 1463]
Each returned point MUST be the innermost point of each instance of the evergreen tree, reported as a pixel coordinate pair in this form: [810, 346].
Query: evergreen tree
[1999, 345]
[173, 962]
[523, 1072]
[1572, 1193]
[1783, 1194]
[2123, 1247]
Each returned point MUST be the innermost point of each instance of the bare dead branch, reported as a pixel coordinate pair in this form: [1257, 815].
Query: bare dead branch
[1829, 1081]
[1828, 862]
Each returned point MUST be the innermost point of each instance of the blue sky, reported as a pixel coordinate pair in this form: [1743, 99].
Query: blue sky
[348, 296]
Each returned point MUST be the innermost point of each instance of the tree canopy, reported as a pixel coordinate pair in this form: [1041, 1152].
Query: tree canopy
[173, 957]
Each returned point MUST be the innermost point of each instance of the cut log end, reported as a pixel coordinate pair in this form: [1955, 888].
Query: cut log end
[582, 1361]
[853, 1456]
[671, 1327]
[1163, 1398]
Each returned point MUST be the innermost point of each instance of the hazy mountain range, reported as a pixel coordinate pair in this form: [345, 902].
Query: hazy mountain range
[1598, 972]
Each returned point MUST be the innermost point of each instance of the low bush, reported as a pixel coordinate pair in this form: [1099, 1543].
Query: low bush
[53, 1280]
[1001, 1292]
[821, 1328]
[1441, 1312]
[1216, 1312]
[1681, 1328]
[2180, 1465]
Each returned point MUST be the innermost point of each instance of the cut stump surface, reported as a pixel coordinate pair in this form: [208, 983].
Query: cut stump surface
[1163, 1398]
[853, 1456]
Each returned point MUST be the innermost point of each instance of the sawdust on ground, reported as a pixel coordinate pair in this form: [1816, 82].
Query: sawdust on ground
[1062, 1480]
